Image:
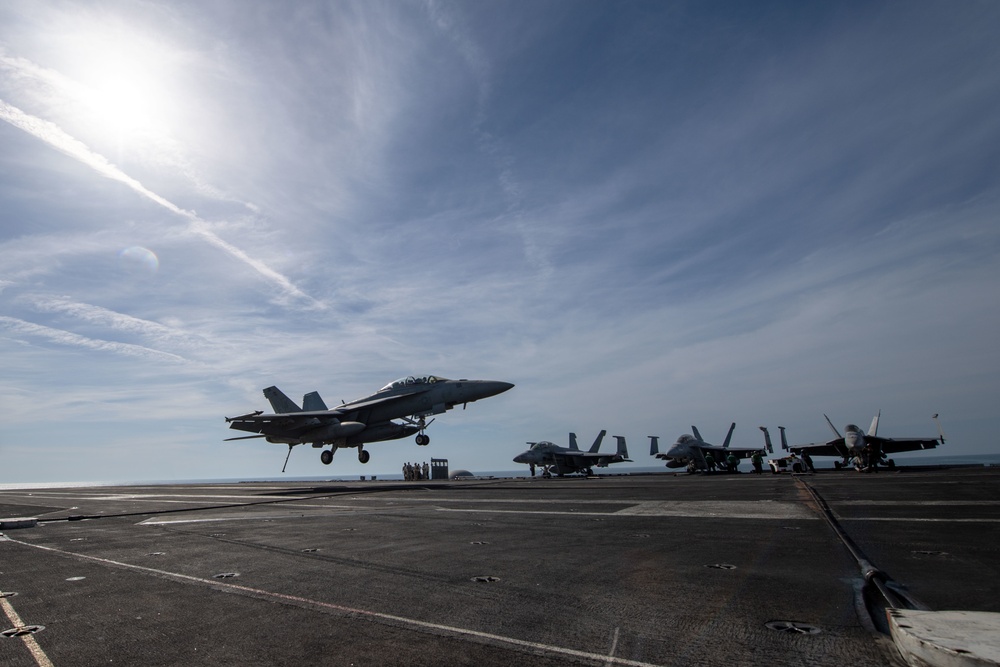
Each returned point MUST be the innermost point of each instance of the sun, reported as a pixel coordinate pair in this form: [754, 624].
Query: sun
[125, 82]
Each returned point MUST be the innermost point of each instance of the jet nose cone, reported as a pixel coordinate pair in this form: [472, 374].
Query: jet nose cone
[487, 388]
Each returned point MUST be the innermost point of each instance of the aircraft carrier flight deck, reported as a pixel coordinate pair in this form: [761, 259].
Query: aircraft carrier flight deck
[656, 569]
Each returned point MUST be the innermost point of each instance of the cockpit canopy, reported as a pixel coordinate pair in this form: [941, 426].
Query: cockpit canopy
[541, 445]
[852, 428]
[686, 438]
[413, 379]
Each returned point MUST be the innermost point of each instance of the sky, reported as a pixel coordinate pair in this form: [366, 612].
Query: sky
[646, 215]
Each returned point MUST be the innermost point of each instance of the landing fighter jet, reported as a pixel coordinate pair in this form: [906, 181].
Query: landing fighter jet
[689, 450]
[567, 460]
[369, 419]
[854, 442]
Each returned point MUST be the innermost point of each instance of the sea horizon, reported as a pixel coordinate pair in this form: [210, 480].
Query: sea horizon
[987, 460]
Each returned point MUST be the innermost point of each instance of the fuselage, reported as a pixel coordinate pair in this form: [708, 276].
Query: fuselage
[370, 419]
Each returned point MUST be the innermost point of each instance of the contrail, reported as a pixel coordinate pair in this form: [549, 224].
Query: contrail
[75, 340]
[56, 137]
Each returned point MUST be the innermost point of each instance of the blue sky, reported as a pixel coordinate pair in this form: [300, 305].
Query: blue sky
[644, 214]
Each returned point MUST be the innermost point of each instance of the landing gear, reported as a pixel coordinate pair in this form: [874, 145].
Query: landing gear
[423, 439]
[363, 456]
[326, 457]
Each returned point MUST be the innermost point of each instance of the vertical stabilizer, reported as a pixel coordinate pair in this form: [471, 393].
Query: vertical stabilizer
[654, 445]
[729, 436]
[572, 442]
[694, 430]
[873, 429]
[279, 402]
[622, 448]
[312, 402]
[767, 439]
[597, 443]
[784, 441]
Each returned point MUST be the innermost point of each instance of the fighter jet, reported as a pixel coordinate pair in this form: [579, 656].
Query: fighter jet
[567, 460]
[689, 451]
[854, 443]
[370, 419]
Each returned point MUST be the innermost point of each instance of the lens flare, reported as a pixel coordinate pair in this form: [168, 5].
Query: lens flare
[138, 261]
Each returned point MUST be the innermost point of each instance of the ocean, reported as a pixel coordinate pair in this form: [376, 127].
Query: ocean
[988, 460]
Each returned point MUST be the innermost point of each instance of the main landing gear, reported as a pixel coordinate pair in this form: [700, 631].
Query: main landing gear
[327, 455]
[422, 438]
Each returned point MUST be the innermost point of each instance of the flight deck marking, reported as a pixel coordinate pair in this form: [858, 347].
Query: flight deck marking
[914, 518]
[614, 645]
[29, 640]
[707, 509]
[300, 601]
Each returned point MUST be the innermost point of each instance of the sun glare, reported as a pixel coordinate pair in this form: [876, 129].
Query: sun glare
[125, 82]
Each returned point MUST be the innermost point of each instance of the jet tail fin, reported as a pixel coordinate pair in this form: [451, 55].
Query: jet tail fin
[312, 402]
[767, 439]
[832, 427]
[654, 445]
[729, 436]
[694, 430]
[784, 442]
[279, 402]
[873, 429]
[572, 442]
[622, 447]
[597, 442]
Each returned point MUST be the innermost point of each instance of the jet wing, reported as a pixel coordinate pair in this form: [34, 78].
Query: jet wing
[291, 416]
[369, 401]
[582, 459]
[894, 445]
[575, 460]
[738, 452]
[835, 447]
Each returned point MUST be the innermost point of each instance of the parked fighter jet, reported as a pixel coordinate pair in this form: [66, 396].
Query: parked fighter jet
[689, 450]
[369, 419]
[854, 442]
[567, 460]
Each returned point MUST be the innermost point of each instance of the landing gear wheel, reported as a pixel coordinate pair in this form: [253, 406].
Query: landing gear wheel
[326, 457]
[363, 456]
[423, 439]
